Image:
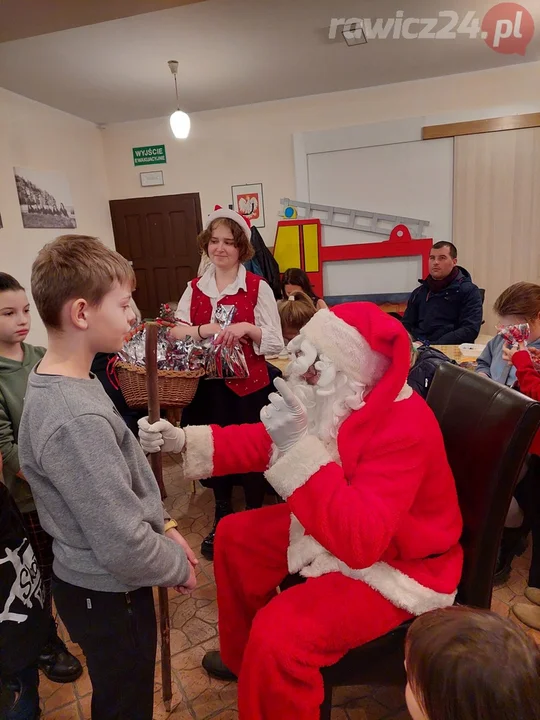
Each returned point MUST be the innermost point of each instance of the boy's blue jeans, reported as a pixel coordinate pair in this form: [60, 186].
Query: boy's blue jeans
[24, 688]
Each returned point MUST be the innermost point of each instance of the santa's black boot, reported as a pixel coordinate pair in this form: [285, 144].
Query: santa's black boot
[223, 508]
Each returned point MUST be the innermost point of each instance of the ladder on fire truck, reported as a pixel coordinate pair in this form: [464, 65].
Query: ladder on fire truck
[371, 222]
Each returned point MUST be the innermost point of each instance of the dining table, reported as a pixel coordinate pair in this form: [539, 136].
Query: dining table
[454, 352]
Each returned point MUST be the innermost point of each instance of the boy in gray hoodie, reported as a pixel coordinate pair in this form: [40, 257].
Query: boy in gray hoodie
[94, 489]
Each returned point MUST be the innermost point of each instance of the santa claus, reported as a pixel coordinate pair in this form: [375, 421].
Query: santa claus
[370, 517]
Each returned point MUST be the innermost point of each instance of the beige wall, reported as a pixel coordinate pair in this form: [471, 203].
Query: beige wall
[35, 136]
[496, 210]
[254, 143]
[233, 146]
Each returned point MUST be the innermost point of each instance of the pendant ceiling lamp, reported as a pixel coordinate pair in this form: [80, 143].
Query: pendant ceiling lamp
[180, 122]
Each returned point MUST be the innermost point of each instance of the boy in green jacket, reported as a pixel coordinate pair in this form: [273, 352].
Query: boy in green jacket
[17, 359]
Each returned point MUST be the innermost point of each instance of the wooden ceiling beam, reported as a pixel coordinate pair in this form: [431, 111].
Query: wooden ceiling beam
[474, 127]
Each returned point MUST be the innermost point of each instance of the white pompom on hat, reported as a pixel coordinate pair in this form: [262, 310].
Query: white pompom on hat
[220, 212]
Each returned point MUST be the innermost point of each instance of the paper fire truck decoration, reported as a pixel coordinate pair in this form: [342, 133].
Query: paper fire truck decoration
[298, 242]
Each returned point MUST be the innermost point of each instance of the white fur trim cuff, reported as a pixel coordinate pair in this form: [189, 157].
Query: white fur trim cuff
[198, 453]
[400, 589]
[295, 468]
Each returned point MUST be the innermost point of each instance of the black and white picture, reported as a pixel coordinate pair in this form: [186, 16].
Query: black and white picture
[45, 199]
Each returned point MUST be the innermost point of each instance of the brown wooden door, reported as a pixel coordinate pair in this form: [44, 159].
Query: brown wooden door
[159, 236]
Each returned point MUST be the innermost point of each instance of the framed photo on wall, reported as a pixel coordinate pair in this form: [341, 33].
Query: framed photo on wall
[44, 199]
[248, 201]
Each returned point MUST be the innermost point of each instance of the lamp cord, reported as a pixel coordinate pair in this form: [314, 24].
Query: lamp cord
[176, 88]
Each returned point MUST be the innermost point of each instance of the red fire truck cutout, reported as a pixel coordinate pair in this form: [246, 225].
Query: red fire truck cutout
[298, 245]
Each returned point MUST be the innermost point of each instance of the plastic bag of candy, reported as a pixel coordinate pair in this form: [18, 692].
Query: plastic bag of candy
[186, 354]
[134, 349]
[225, 363]
[515, 334]
[171, 354]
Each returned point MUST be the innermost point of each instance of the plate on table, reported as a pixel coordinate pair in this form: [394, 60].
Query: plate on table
[471, 350]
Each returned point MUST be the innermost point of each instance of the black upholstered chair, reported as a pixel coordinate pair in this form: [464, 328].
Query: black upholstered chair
[487, 430]
[483, 296]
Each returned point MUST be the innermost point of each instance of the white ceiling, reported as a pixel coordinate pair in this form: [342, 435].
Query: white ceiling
[28, 18]
[233, 52]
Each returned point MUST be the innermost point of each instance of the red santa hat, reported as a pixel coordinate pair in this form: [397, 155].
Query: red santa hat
[220, 213]
[369, 346]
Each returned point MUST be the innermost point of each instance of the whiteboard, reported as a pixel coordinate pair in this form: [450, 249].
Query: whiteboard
[371, 277]
[414, 179]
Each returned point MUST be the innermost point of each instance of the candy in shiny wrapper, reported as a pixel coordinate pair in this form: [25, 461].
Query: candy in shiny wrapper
[186, 354]
[224, 315]
[535, 357]
[196, 354]
[171, 354]
[515, 334]
[225, 363]
[133, 351]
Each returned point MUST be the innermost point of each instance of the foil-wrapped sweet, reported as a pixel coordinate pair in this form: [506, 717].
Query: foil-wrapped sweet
[134, 350]
[186, 354]
[225, 363]
[515, 334]
[535, 357]
[171, 354]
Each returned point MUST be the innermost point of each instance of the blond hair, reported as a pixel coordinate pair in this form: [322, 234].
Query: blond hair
[296, 312]
[75, 266]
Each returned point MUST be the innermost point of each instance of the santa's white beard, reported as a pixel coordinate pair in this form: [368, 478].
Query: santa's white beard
[331, 400]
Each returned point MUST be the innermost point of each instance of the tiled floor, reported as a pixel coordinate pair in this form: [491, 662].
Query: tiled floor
[193, 623]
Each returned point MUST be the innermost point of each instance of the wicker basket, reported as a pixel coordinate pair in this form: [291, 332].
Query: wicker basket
[176, 388]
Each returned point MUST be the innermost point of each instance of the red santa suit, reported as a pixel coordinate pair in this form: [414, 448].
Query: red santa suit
[371, 520]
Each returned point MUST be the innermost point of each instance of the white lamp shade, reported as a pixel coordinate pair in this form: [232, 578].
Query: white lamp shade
[180, 124]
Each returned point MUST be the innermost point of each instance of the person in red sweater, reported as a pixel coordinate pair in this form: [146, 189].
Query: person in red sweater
[528, 379]
[370, 518]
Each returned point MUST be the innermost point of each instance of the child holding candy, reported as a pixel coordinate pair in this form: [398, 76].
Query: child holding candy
[525, 361]
[508, 360]
[518, 305]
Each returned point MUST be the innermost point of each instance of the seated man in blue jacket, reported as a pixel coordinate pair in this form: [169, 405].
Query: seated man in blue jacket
[447, 307]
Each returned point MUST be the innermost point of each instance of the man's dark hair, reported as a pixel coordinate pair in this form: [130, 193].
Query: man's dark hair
[8, 282]
[452, 248]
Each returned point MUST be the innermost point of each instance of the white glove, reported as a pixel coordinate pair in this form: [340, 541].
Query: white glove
[285, 418]
[162, 435]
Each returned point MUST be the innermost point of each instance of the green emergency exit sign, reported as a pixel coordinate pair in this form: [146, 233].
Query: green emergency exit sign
[149, 155]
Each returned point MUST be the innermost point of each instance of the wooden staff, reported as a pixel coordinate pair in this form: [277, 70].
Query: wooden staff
[157, 467]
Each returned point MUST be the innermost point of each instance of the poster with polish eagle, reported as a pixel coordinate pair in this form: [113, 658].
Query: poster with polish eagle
[248, 201]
